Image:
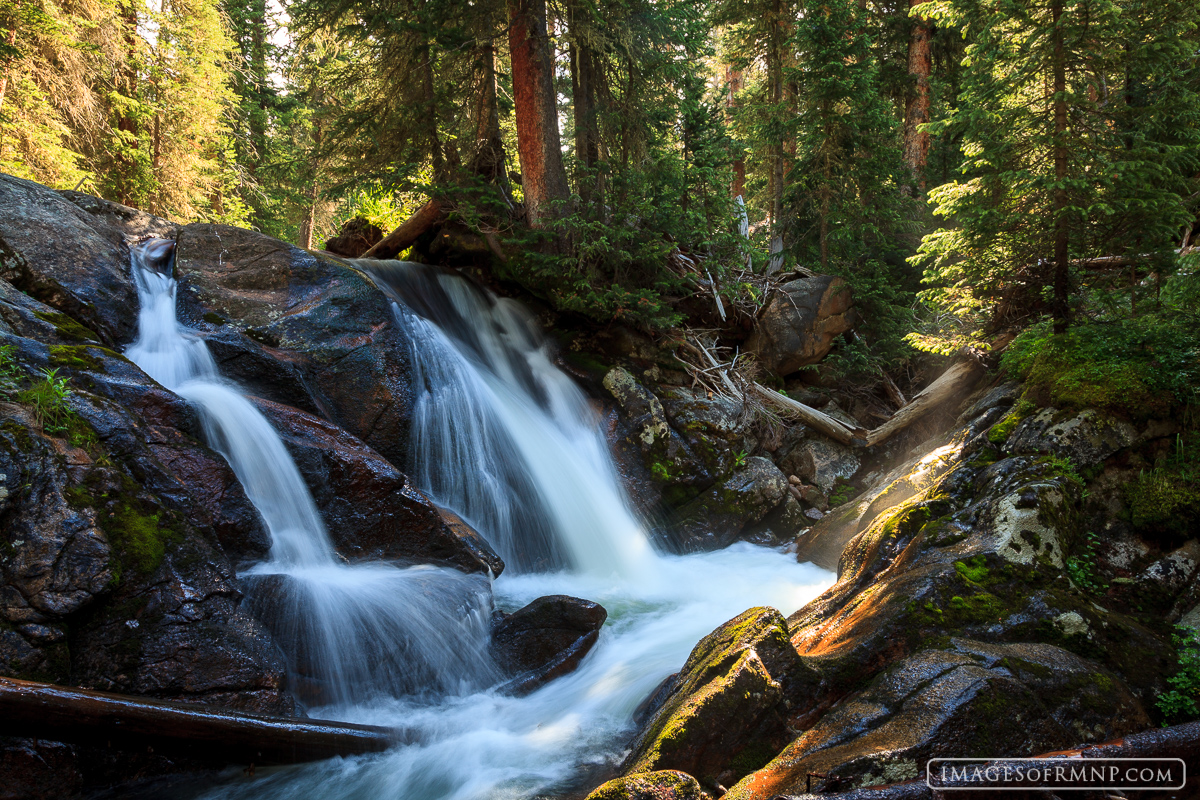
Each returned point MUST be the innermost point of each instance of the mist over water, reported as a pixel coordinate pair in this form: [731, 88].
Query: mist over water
[508, 441]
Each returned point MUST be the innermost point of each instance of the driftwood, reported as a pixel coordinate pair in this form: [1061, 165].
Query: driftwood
[409, 231]
[1179, 741]
[810, 416]
[80, 716]
[957, 378]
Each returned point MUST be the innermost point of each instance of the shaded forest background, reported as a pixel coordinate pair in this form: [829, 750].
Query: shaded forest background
[967, 165]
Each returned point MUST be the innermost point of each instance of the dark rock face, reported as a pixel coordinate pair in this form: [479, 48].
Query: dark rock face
[370, 508]
[75, 262]
[133, 223]
[718, 516]
[545, 639]
[356, 237]
[1019, 699]
[800, 324]
[329, 329]
[113, 575]
[727, 712]
[36, 770]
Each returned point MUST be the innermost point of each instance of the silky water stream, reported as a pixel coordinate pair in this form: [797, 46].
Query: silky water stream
[503, 437]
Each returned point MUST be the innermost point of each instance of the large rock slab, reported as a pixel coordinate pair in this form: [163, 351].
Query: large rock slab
[326, 322]
[371, 509]
[67, 258]
[800, 323]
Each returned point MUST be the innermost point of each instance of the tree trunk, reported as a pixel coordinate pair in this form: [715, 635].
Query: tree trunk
[583, 92]
[217, 735]
[409, 231]
[1062, 260]
[308, 226]
[488, 159]
[916, 113]
[11, 39]
[543, 177]
[433, 142]
[126, 123]
[733, 79]
[258, 79]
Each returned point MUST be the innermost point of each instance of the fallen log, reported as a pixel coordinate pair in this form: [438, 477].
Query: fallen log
[954, 380]
[1179, 741]
[409, 231]
[81, 716]
[810, 416]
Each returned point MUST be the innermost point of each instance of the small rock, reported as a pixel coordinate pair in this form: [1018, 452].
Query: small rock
[813, 514]
[794, 481]
[660, 785]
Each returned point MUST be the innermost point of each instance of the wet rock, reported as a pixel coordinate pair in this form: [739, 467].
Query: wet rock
[355, 237]
[1003, 700]
[783, 524]
[726, 713]
[68, 259]
[665, 453]
[370, 508]
[660, 785]
[801, 322]
[315, 313]
[111, 533]
[38, 770]
[133, 223]
[1087, 437]
[717, 517]
[545, 639]
[714, 430]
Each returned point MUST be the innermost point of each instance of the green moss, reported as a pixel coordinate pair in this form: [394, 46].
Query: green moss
[976, 609]
[752, 758]
[1000, 432]
[1162, 499]
[77, 357]
[67, 327]
[213, 318]
[842, 493]
[973, 570]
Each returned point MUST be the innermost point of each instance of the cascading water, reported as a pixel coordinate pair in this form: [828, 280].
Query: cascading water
[503, 436]
[351, 632]
[508, 441]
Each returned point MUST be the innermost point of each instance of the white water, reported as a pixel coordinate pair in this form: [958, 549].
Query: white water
[351, 632]
[507, 440]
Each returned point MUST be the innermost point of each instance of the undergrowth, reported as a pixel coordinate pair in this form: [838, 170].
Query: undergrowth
[1166, 498]
[1141, 367]
[1182, 702]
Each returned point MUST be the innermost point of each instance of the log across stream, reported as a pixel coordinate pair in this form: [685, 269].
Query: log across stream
[80, 716]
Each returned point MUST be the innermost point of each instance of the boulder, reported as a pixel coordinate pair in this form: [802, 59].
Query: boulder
[661, 785]
[821, 461]
[718, 516]
[727, 713]
[545, 639]
[38, 770]
[973, 697]
[133, 223]
[332, 329]
[800, 323]
[1087, 438]
[666, 454]
[371, 509]
[355, 237]
[67, 258]
[715, 430]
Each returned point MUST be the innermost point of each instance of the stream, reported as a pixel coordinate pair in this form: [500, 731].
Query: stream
[507, 440]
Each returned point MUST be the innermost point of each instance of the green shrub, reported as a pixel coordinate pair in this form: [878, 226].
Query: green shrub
[1142, 367]
[1081, 568]
[1167, 497]
[10, 371]
[1182, 702]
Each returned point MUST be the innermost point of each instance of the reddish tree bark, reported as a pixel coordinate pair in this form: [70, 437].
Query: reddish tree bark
[733, 79]
[916, 112]
[1062, 257]
[543, 177]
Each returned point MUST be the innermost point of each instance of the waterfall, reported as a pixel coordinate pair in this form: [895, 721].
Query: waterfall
[508, 441]
[504, 437]
[350, 631]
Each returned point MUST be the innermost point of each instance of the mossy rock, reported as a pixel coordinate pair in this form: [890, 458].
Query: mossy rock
[726, 714]
[659, 785]
[67, 327]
